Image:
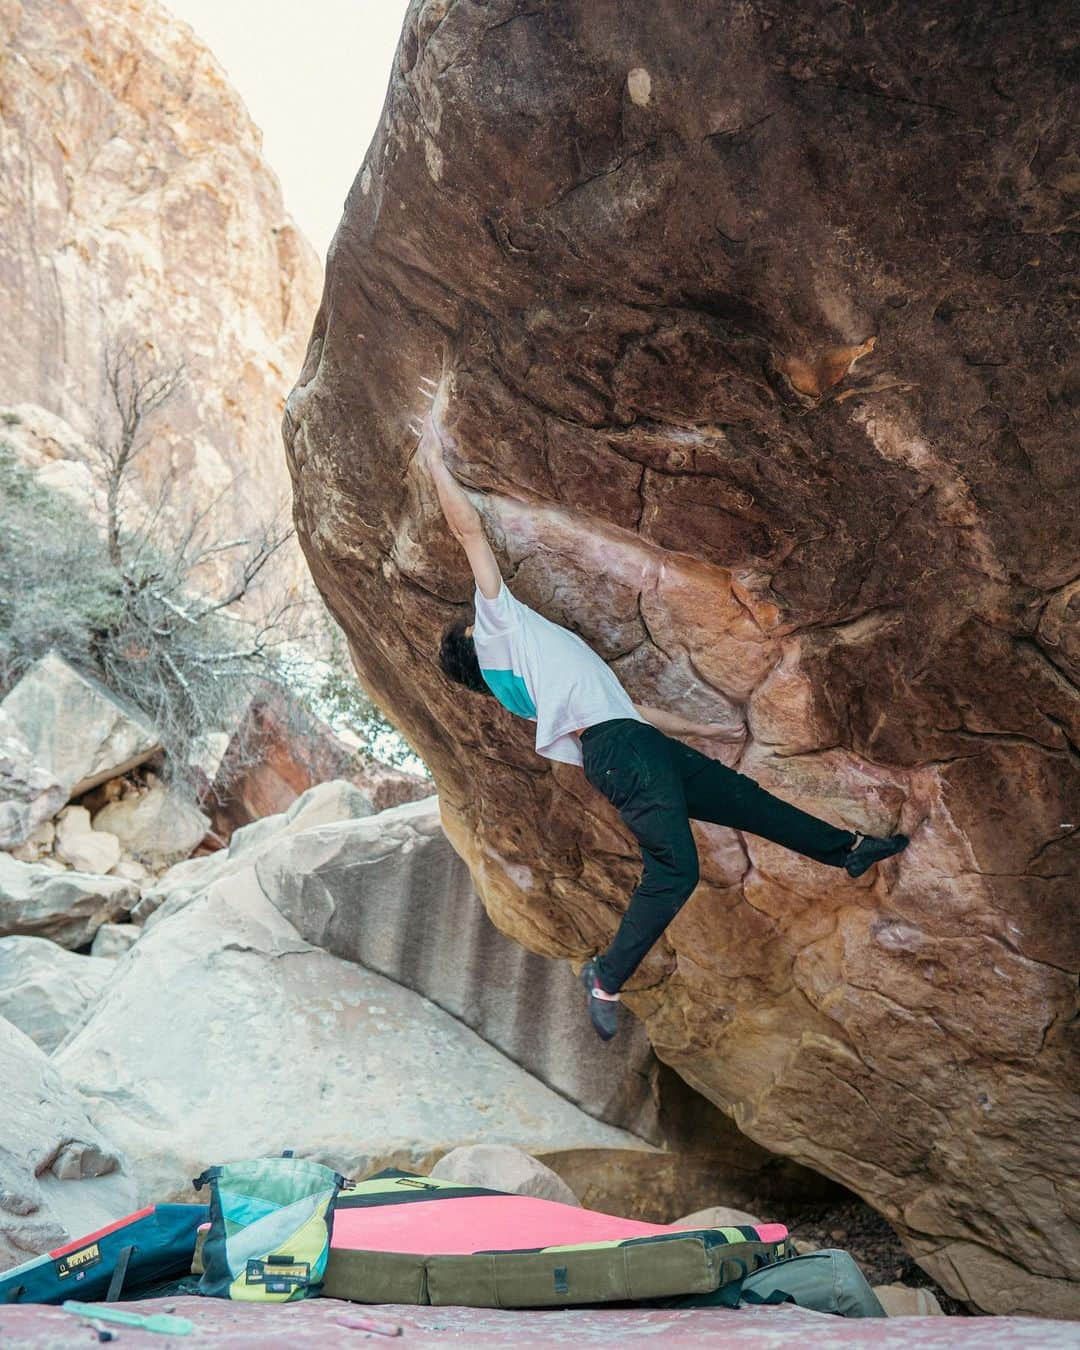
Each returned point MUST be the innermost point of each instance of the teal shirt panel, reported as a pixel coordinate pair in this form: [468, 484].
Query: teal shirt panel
[510, 690]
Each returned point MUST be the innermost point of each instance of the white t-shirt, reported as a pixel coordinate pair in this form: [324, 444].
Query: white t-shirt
[544, 672]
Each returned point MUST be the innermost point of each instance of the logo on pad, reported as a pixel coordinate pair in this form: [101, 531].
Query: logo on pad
[76, 1263]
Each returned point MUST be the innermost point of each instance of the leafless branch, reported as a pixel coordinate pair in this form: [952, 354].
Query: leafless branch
[137, 384]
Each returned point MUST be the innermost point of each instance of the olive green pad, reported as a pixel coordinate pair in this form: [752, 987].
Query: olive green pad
[543, 1279]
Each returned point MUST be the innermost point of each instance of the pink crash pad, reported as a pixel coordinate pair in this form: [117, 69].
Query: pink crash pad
[484, 1223]
[315, 1324]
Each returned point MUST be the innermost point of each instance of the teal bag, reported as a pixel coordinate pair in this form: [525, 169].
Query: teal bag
[271, 1221]
[827, 1281]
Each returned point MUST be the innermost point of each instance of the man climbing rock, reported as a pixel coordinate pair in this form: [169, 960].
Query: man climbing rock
[583, 716]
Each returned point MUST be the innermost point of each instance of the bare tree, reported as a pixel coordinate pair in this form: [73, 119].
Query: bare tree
[137, 384]
[192, 638]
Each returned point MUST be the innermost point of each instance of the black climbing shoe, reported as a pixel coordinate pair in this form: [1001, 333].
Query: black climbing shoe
[869, 850]
[604, 1012]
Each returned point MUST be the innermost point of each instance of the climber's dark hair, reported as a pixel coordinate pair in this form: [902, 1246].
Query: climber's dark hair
[457, 657]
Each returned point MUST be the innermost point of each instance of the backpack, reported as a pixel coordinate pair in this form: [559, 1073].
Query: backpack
[270, 1226]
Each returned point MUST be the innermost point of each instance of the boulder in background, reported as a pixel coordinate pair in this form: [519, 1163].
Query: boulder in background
[76, 728]
[326, 803]
[900, 1300]
[717, 1216]
[113, 939]
[81, 845]
[289, 762]
[499, 1167]
[45, 900]
[390, 893]
[30, 794]
[158, 826]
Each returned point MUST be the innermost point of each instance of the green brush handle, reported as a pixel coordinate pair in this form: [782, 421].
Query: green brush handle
[104, 1312]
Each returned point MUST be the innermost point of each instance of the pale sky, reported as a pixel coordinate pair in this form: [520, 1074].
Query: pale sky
[313, 76]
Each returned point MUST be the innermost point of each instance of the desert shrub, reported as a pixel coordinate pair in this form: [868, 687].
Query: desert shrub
[57, 588]
[342, 701]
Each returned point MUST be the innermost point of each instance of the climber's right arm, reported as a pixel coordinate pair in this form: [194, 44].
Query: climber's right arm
[460, 514]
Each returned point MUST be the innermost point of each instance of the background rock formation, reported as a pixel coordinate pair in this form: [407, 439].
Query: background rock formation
[289, 762]
[752, 323]
[135, 205]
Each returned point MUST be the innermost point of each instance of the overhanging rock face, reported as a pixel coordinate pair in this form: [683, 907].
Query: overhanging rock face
[752, 323]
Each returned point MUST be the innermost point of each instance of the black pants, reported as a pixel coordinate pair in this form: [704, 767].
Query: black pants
[658, 785]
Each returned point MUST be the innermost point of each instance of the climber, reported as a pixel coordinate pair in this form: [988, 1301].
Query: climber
[583, 716]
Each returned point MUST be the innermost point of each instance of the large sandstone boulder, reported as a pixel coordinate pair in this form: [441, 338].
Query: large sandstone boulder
[282, 1045]
[29, 793]
[391, 894]
[59, 1176]
[135, 205]
[44, 900]
[46, 990]
[75, 727]
[751, 327]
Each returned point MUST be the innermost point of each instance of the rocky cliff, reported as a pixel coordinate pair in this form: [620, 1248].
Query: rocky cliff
[752, 321]
[135, 206]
